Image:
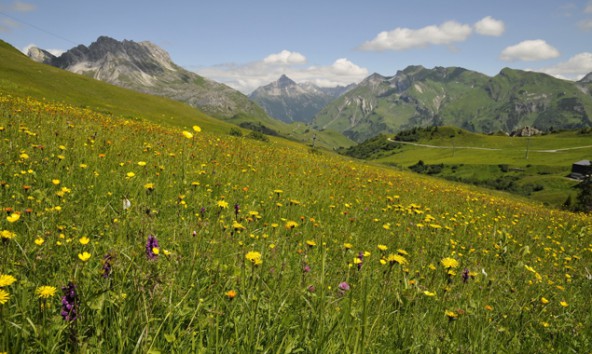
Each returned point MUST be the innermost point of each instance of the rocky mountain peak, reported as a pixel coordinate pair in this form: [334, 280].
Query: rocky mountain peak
[145, 67]
[586, 79]
[289, 101]
[285, 81]
[39, 55]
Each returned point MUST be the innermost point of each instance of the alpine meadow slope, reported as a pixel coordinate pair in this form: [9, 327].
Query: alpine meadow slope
[24, 77]
[120, 234]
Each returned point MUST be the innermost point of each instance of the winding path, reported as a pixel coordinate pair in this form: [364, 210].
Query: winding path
[482, 148]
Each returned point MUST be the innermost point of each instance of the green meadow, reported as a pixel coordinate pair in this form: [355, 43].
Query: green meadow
[536, 167]
[134, 224]
[125, 236]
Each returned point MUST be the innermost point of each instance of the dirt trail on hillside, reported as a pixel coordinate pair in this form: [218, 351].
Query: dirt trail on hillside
[483, 148]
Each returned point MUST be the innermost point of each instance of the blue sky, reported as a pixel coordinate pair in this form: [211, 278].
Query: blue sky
[246, 44]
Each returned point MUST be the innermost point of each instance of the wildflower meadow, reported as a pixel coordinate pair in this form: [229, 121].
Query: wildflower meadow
[121, 236]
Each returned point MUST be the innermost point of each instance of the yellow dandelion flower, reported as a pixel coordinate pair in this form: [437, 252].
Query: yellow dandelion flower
[149, 186]
[291, 224]
[6, 234]
[55, 182]
[429, 293]
[84, 240]
[396, 258]
[347, 246]
[449, 262]
[382, 247]
[4, 296]
[155, 250]
[84, 256]
[254, 257]
[197, 128]
[39, 241]
[130, 175]
[6, 280]
[45, 291]
[564, 304]
[544, 301]
[237, 226]
[187, 134]
[142, 163]
[451, 315]
[311, 243]
[402, 252]
[222, 204]
[14, 217]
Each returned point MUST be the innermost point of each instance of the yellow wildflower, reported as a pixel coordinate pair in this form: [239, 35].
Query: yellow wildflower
[6, 280]
[4, 296]
[449, 262]
[14, 217]
[254, 257]
[84, 256]
[45, 291]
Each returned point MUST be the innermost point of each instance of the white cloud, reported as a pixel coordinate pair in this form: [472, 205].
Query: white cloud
[488, 26]
[574, 68]
[529, 50]
[6, 25]
[21, 6]
[585, 25]
[285, 57]
[249, 76]
[18, 6]
[405, 38]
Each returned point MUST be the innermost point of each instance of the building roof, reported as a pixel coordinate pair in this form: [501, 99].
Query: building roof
[583, 163]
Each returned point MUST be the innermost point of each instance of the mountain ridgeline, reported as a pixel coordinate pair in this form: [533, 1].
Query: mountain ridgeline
[147, 68]
[413, 97]
[420, 97]
[289, 101]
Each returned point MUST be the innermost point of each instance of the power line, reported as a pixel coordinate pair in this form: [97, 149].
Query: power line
[37, 28]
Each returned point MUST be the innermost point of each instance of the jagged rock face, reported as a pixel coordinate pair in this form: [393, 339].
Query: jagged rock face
[40, 55]
[147, 68]
[289, 101]
[586, 79]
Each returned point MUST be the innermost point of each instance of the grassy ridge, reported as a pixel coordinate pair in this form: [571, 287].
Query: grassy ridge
[22, 77]
[266, 247]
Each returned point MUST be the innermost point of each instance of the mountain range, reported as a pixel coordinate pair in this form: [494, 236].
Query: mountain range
[147, 68]
[454, 96]
[289, 101]
[413, 97]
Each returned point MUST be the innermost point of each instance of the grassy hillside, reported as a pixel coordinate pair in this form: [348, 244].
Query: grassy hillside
[535, 166]
[22, 77]
[123, 236]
